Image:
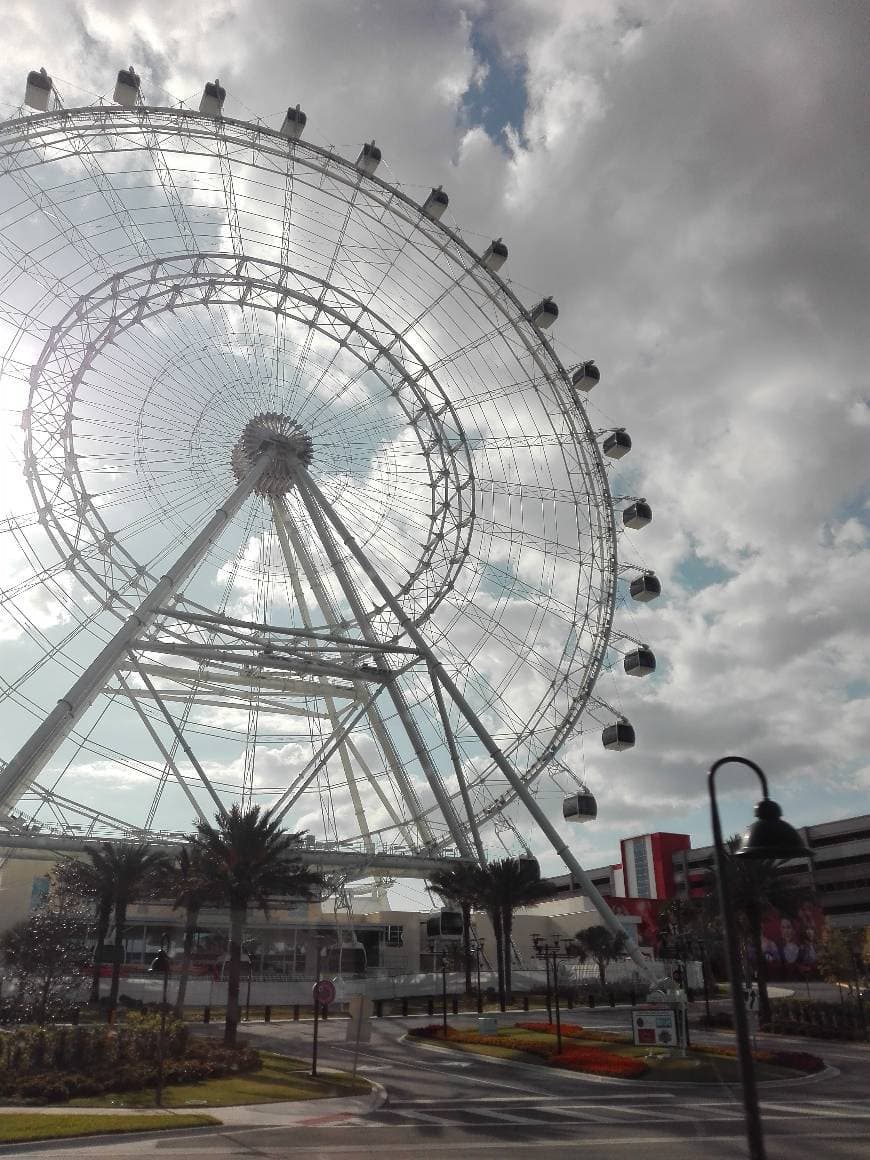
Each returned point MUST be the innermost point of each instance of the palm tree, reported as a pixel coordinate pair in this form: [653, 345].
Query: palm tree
[136, 870]
[83, 882]
[113, 876]
[463, 886]
[247, 859]
[509, 884]
[599, 944]
[756, 886]
[192, 890]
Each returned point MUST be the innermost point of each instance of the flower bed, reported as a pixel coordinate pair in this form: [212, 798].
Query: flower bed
[574, 1031]
[569, 1030]
[594, 1060]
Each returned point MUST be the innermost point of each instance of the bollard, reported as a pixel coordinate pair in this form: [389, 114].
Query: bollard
[404, 1006]
[379, 1008]
[611, 999]
[267, 1014]
[570, 1000]
[455, 1005]
[525, 1002]
[430, 1006]
[324, 1012]
[632, 997]
[206, 1014]
[591, 999]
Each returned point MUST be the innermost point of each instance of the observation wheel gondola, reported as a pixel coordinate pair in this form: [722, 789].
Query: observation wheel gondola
[316, 518]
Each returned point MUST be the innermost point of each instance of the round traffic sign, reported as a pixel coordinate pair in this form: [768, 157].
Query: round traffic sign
[324, 992]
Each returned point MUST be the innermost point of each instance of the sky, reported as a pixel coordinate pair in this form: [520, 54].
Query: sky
[689, 182]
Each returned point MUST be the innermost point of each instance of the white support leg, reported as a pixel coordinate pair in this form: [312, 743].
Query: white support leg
[32, 757]
[291, 795]
[299, 594]
[179, 735]
[379, 729]
[155, 737]
[457, 766]
[308, 486]
[410, 726]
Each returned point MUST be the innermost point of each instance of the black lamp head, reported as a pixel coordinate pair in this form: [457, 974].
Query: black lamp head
[769, 837]
[160, 963]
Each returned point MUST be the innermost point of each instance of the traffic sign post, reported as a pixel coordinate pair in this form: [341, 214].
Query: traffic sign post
[322, 994]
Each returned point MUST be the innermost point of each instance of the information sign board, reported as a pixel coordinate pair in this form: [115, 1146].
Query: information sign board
[654, 1026]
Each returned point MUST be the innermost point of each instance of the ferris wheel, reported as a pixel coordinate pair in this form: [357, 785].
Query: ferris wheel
[312, 515]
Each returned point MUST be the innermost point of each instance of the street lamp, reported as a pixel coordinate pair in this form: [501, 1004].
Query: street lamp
[160, 965]
[544, 949]
[770, 838]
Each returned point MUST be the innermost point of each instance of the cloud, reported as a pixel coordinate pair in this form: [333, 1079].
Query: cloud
[687, 183]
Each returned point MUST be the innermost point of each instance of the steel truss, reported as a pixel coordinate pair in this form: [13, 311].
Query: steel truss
[401, 635]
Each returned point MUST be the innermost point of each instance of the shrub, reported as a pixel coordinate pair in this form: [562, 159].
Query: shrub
[430, 1031]
[798, 1060]
[44, 1089]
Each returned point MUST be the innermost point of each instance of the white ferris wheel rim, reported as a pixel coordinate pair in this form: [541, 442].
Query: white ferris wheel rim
[148, 284]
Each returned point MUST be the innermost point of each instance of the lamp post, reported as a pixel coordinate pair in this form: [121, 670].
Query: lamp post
[479, 949]
[545, 950]
[160, 966]
[767, 838]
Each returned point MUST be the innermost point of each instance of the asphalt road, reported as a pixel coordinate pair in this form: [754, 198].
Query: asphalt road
[443, 1106]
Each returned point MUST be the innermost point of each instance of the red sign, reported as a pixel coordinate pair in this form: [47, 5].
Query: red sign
[324, 992]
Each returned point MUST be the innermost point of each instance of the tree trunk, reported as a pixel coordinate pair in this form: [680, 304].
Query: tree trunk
[507, 933]
[104, 910]
[238, 914]
[43, 1003]
[466, 943]
[495, 919]
[120, 927]
[190, 920]
[602, 972]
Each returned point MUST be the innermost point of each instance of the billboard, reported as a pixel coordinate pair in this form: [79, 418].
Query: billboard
[790, 944]
[645, 915]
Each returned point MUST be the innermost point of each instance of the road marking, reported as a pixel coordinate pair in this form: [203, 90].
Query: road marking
[567, 1100]
[810, 1110]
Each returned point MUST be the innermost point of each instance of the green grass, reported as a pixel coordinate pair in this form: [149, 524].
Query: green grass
[280, 1078]
[17, 1127]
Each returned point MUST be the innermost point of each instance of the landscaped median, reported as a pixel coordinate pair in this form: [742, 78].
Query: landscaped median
[120, 1066]
[614, 1056]
[19, 1127]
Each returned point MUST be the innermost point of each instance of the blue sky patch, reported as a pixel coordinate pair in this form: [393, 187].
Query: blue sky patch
[501, 97]
[695, 573]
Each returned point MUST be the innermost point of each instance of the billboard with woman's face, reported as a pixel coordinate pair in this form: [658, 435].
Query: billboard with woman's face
[790, 943]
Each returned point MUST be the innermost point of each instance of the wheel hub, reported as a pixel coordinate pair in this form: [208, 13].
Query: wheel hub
[290, 446]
